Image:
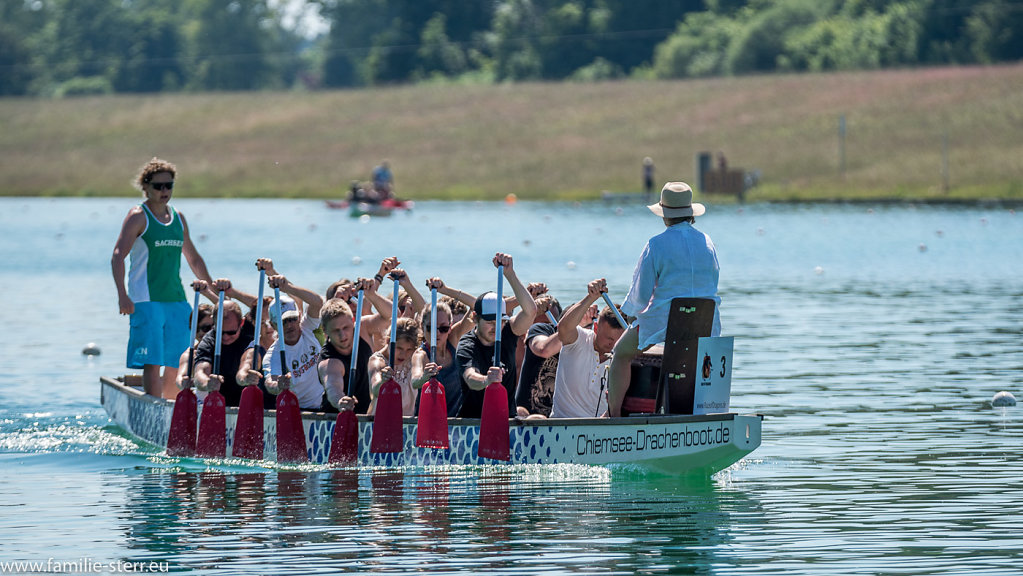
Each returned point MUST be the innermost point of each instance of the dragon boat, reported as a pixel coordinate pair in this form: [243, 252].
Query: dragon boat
[676, 417]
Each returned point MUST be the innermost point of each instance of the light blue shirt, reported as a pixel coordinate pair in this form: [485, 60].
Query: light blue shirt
[680, 262]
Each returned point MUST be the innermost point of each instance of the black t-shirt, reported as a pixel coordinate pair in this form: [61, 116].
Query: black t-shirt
[472, 352]
[535, 391]
[361, 392]
[230, 358]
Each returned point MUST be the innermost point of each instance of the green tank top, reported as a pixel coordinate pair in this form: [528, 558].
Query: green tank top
[155, 271]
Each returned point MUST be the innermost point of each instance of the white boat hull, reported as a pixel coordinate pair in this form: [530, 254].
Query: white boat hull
[698, 445]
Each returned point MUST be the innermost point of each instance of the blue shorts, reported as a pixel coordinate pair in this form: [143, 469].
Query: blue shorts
[159, 333]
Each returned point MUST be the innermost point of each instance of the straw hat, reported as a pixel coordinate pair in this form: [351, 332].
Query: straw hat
[677, 201]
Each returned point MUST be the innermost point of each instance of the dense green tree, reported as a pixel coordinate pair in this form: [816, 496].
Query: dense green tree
[229, 45]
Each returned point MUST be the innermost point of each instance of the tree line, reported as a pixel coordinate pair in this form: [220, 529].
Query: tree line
[69, 47]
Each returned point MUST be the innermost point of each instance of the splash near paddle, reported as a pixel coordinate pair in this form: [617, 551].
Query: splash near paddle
[290, 435]
[248, 428]
[432, 431]
[344, 442]
[494, 437]
[212, 440]
[388, 435]
[181, 436]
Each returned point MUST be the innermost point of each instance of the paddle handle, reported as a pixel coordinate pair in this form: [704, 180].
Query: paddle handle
[220, 332]
[499, 316]
[433, 325]
[195, 330]
[259, 322]
[394, 325]
[618, 314]
[552, 318]
[280, 330]
[355, 345]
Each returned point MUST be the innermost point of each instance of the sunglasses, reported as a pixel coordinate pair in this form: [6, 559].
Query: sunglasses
[231, 332]
[443, 329]
[162, 185]
[205, 327]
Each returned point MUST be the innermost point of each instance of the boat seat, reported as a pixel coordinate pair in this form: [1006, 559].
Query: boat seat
[663, 376]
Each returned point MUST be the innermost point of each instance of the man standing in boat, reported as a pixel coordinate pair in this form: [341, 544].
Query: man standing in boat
[475, 352]
[680, 262]
[581, 381]
[155, 236]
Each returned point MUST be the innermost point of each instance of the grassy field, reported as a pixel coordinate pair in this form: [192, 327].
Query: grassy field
[541, 141]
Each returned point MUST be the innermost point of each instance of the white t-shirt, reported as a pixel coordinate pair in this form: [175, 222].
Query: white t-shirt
[581, 380]
[302, 359]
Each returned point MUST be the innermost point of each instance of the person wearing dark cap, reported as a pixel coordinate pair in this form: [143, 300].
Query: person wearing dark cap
[475, 352]
[680, 262]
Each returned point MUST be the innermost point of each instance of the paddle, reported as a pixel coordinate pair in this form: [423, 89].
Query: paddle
[248, 428]
[618, 314]
[494, 437]
[432, 431]
[344, 443]
[388, 435]
[290, 435]
[181, 436]
[552, 318]
[212, 440]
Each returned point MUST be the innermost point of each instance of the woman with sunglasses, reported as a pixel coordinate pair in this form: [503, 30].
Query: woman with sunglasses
[448, 334]
[155, 236]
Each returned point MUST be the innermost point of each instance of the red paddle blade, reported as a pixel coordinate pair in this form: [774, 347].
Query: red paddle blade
[344, 444]
[388, 435]
[290, 435]
[212, 440]
[494, 441]
[181, 438]
[248, 429]
[432, 431]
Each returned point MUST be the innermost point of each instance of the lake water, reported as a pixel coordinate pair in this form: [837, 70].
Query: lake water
[871, 338]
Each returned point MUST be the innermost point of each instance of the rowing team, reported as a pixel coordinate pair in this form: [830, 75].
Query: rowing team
[552, 363]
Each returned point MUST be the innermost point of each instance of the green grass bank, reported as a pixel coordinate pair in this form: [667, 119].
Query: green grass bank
[908, 132]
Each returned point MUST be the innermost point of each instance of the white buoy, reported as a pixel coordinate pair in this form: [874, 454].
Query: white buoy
[570, 265]
[91, 349]
[356, 260]
[364, 218]
[1003, 398]
[818, 270]
[922, 247]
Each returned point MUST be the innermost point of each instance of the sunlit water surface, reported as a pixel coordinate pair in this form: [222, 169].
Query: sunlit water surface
[871, 339]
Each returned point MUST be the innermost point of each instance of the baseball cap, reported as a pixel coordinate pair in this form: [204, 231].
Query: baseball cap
[289, 306]
[486, 307]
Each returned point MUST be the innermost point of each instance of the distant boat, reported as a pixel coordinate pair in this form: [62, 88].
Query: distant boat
[385, 208]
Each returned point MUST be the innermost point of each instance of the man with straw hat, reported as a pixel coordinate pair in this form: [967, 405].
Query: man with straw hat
[680, 262]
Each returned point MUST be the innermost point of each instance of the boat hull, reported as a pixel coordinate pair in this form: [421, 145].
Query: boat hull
[697, 445]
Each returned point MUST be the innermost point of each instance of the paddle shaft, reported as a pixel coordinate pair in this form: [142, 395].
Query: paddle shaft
[433, 326]
[551, 318]
[280, 330]
[259, 322]
[618, 314]
[195, 329]
[499, 316]
[220, 332]
[355, 345]
[394, 325]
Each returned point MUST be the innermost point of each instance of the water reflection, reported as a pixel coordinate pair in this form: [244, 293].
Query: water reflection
[466, 520]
